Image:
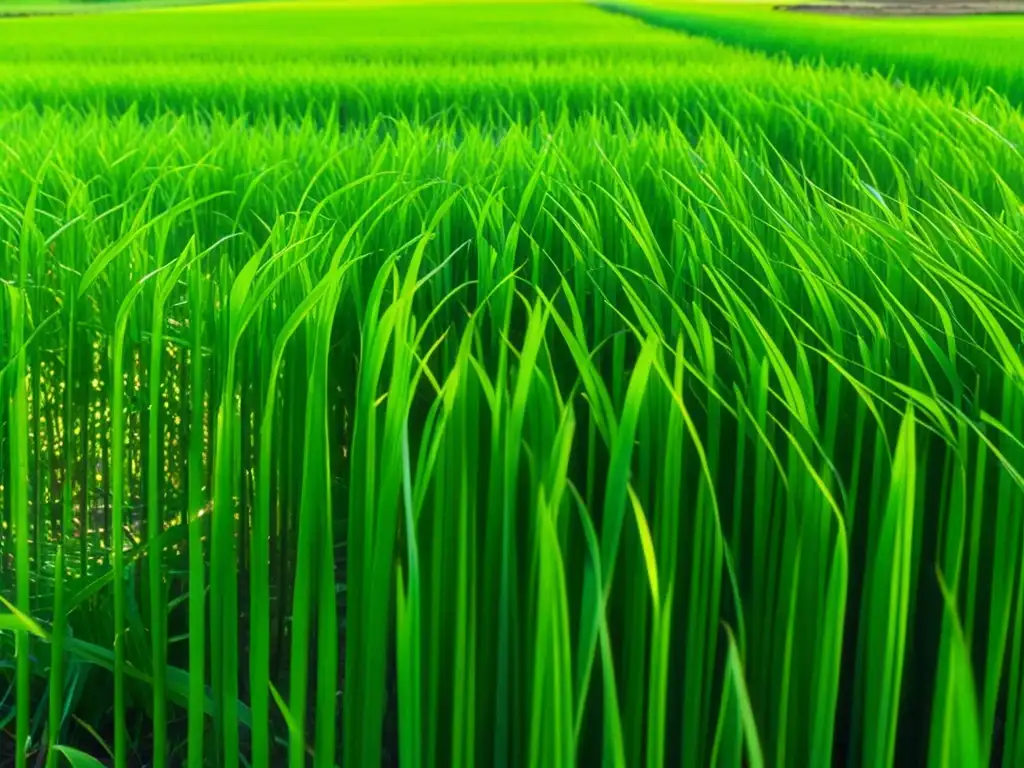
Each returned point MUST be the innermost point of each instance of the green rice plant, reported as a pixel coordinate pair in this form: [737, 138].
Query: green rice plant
[660, 404]
[18, 425]
[956, 740]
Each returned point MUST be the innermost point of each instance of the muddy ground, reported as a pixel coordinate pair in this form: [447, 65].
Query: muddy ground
[920, 8]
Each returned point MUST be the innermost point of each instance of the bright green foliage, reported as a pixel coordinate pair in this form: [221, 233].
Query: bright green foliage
[967, 54]
[549, 390]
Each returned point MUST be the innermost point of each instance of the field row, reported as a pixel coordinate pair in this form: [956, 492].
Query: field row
[967, 55]
[492, 62]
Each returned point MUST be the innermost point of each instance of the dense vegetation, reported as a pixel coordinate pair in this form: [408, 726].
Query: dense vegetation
[965, 54]
[501, 385]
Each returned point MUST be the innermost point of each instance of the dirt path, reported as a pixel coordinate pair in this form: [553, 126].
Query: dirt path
[903, 9]
[27, 10]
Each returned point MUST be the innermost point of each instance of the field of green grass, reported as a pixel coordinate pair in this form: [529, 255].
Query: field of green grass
[509, 384]
[964, 54]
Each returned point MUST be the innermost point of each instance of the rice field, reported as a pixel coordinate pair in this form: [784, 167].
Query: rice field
[964, 54]
[506, 384]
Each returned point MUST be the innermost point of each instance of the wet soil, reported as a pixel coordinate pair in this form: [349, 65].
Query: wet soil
[904, 9]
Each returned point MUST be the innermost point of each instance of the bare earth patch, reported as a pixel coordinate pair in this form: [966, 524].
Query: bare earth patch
[29, 9]
[933, 8]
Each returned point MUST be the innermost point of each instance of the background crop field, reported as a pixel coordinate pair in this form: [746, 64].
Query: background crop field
[962, 53]
[509, 384]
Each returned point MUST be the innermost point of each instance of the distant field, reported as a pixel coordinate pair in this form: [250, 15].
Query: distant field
[510, 384]
[30, 8]
[970, 52]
